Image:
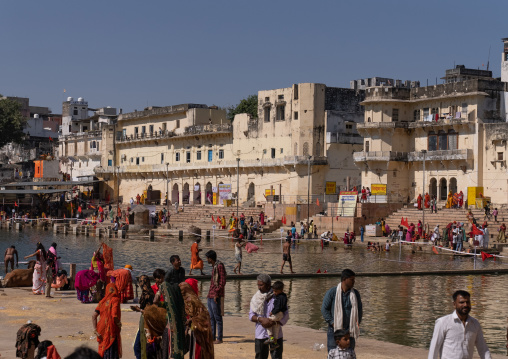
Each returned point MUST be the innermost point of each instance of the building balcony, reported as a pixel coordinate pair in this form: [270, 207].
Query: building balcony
[344, 138]
[145, 137]
[374, 126]
[442, 155]
[81, 135]
[443, 123]
[214, 165]
[380, 156]
[188, 131]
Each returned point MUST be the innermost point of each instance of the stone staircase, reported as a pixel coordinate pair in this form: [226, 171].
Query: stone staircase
[201, 216]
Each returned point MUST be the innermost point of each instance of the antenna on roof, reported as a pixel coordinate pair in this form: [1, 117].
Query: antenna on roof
[488, 59]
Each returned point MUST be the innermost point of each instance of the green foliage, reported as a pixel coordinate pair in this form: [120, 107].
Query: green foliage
[11, 122]
[248, 105]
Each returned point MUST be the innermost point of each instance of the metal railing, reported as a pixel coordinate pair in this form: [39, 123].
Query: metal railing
[379, 156]
[442, 155]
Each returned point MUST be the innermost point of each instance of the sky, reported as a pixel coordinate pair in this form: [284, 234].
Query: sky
[133, 54]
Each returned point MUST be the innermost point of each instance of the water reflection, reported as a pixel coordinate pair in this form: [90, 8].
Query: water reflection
[396, 309]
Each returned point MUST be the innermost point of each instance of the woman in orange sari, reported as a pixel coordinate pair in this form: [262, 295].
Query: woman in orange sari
[196, 261]
[109, 326]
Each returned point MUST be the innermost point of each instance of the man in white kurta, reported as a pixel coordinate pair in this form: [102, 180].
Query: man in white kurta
[456, 334]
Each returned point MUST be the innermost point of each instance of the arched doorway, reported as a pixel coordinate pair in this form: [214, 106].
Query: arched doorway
[197, 194]
[208, 194]
[175, 194]
[433, 187]
[453, 185]
[443, 189]
[185, 194]
[251, 192]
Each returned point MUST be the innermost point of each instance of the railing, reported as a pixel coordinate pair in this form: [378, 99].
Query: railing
[336, 137]
[198, 129]
[442, 155]
[368, 125]
[380, 156]
[145, 136]
[94, 133]
[441, 122]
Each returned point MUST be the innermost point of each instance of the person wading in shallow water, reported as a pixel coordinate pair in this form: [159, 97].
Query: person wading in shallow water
[286, 255]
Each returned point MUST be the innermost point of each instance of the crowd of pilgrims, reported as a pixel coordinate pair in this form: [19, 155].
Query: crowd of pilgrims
[173, 319]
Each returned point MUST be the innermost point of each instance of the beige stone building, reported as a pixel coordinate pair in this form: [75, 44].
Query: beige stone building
[457, 128]
[189, 151]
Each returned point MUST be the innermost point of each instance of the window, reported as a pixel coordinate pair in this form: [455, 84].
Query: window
[367, 146]
[85, 128]
[395, 114]
[306, 149]
[464, 110]
[177, 123]
[124, 133]
[266, 114]
[281, 97]
[432, 141]
[281, 150]
[110, 163]
[98, 145]
[210, 155]
[296, 115]
[137, 160]
[151, 129]
[295, 94]
[453, 139]
[132, 159]
[142, 159]
[442, 140]
[177, 157]
[273, 152]
[136, 131]
[198, 155]
[143, 130]
[221, 154]
[267, 99]
[162, 158]
[75, 112]
[416, 115]
[425, 111]
[500, 156]
[281, 111]
[164, 127]
[187, 157]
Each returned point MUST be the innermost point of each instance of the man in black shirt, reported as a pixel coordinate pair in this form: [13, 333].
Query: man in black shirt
[176, 274]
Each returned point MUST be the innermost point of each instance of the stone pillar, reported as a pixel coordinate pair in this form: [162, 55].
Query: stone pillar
[86, 231]
[98, 232]
[152, 235]
[18, 226]
[75, 230]
[55, 229]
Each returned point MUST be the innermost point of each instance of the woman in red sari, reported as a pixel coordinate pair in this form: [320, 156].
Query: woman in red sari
[109, 326]
[419, 200]
[427, 200]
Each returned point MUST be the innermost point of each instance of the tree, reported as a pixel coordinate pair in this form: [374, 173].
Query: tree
[248, 105]
[11, 122]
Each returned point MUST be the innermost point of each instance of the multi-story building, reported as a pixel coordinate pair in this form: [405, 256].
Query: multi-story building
[457, 130]
[80, 141]
[190, 150]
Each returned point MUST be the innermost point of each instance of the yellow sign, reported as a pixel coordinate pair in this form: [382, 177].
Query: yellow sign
[472, 194]
[267, 192]
[330, 187]
[214, 198]
[378, 189]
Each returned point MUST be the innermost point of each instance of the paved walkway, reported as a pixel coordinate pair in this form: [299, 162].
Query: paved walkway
[68, 324]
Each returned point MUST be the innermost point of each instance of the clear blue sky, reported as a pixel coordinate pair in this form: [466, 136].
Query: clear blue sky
[130, 54]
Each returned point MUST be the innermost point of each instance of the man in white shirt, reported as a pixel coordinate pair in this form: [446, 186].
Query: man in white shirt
[456, 335]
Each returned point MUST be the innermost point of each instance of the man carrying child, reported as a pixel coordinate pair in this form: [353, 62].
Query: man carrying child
[268, 309]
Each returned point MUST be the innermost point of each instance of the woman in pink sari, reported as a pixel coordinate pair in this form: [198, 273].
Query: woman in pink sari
[85, 279]
[262, 218]
[39, 276]
[409, 234]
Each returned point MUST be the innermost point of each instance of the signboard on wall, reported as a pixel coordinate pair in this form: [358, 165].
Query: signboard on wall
[214, 198]
[269, 193]
[224, 192]
[330, 187]
[347, 203]
[378, 189]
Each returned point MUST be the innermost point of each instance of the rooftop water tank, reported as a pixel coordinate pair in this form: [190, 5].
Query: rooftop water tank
[70, 99]
[80, 99]
[36, 115]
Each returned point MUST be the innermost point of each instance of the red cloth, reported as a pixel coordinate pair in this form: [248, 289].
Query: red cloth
[251, 247]
[486, 255]
[194, 284]
[404, 223]
[52, 353]
[123, 282]
[434, 250]
[476, 231]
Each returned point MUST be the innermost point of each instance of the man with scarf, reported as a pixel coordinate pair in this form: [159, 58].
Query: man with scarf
[342, 309]
[261, 305]
[215, 296]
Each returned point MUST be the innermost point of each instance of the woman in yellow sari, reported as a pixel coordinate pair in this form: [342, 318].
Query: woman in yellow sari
[449, 201]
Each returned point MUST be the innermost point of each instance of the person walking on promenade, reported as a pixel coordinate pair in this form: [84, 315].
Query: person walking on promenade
[342, 309]
[215, 296]
[109, 326]
[456, 335]
[261, 305]
[9, 258]
[286, 255]
[196, 261]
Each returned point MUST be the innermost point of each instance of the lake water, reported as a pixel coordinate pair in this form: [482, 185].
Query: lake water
[399, 309]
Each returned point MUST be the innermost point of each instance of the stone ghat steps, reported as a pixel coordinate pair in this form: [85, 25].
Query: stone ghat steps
[443, 217]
